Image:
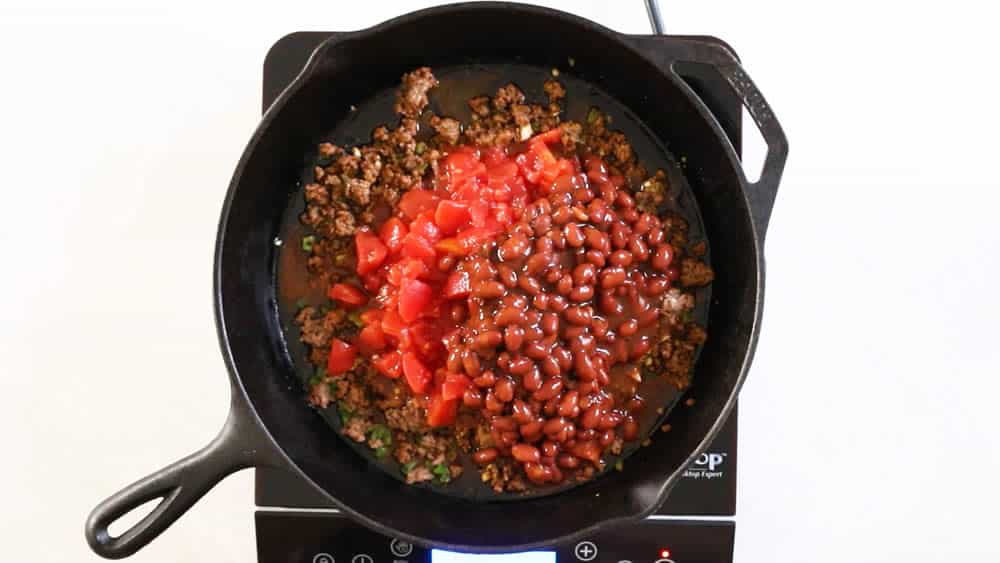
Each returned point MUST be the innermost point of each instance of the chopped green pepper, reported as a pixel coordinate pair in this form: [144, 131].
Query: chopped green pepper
[407, 467]
[381, 433]
[442, 472]
[420, 148]
[307, 243]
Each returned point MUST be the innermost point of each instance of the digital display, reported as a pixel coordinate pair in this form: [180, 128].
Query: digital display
[438, 556]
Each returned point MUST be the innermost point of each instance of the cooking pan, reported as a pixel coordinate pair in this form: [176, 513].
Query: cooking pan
[636, 78]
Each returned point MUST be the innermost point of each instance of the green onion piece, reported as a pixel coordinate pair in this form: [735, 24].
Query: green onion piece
[345, 412]
[407, 467]
[420, 148]
[355, 317]
[442, 472]
[307, 243]
[381, 451]
[318, 376]
[381, 433]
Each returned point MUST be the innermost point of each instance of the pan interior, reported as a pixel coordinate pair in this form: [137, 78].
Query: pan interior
[458, 83]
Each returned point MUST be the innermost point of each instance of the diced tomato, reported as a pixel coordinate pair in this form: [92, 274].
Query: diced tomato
[503, 214]
[417, 374]
[458, 285]
[341, 358]
[371, 339]
[373, 280]
[454, 386]
[425, 339]
[461, 166]
[451, 216]
[441, 412]
[392, 323]
[369, 316]
[414, 296]
[494, 156]
[478, 210]
[550, 136]
[417, 247]
[370, 251]
[389, 364]
[424, 227]
[416, 201]
[347, 294]
[555, 169]
[392, 233]
[529, 165]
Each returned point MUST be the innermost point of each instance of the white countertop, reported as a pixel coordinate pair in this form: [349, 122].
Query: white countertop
[868, 425]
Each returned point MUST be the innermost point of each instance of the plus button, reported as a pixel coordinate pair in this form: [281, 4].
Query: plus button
[585, 551]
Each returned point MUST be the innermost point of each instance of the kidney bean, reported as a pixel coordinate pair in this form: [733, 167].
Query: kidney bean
[583, 364]
[588, 450]
[471, 364]
[567, 461]
[620, 351]
[585, 388]
[515, 247]
[536, 351]
[520, 365]
[586, 435]
[635, 404]
[621, 291]
[595, 257]
[602, 378]
[648, 317]
[621, 258]
[638, 248]
[550, 389]
[624, 200]
[584, 274]
[454, 362]
[508, 276]
[562, 215]
[493, 404]
[489, 339]
[540, 301]
[537, 473]
[485, 456]
[565, 285]
[609, 304]
[532, 380]
[544, 245]
[574, 236]
[533, 333]
[553, 274]
[529, 285]
[630, 429]
[606, 438]
[532, 431]
[558, 303]
[513, 337]
[568, 406]
[486, 380]
[550, 449]
[504, 389]
[508, 439]
[655, 236]
[610, 420]
[656, 286]
[579, 213]
[630, 215]
[672, 274]
[628, 328]
[503, 424]
[643, 224]
[481, 269]
[599, 326]
[550, 366]
[522, 412]
[541, 225]
[579, 315]
[558, 429]
[557, 238]
[597, 240]
[582, 342]
[563, 357]
[508, 316]
[612, 276]
[640, 346]
[662, 258]
[619, 237]
[458, 313]
[582, 195]
[537, 263]
[472, 398]
[582, 293]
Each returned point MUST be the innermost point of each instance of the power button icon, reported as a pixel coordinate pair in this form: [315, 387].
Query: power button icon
[323, 558]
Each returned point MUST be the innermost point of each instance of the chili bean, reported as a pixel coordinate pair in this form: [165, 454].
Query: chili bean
[446, 262]
[557, 238]
[599, 327]
[537, 473]
[551, 406]
[520, 365]
[597, 240]
[656, 286]
[630, 215]
[553, 274]
[454, 362]
[610, 420]
[541, 224]
[672, 274]
[620, 351]
[458, 313]
[574, 236]
[639, 347]
[619, 236]
[584, 274]
[537, 263]
[550, 366]
[628, 328]
[486, 456]
[606, 438]
[489, 339]
[589, 451]
[558, 429]
[503, 360]
[544, 245]
[583, 365]
[582, 293]
[621, 291]
[556, 303]
[648, 317]
[581, 340]
[493, 404]
[536, 351]
[568, 405]
[638, 248]
[529, 285]
[563, 357]
[471, 364]
[578, 315]
[508, 316]
[508, 439]
[515, 247]
[504, 389]
[643, 224]
[609, 304]
[472, 398]
[635, 404]
[579, 213]
[550, 388]
[612, 276]
[533, 333]
[630, 429]
[595, 257]
[532, 380]
[565, 285]
[655, 236]
[586, 435]
[560, 199]
[489, 290]
[508, 276]
[513, 337]
[522, 412]
[532, 431]
[602, 378]
[624, 200]
[481, 269]
[621, 258]
[486, 380]
[562, 215]
[550, 449]
[567, 461]
[662, 258]
[503, 424]
[584, 388]
[582, 195]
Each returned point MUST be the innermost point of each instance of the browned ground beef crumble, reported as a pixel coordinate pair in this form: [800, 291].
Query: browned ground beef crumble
[354, 187]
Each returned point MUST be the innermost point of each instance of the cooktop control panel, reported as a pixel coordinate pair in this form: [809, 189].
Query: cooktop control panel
[308, 537]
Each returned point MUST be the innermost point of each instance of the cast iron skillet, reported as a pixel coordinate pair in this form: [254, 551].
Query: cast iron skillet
[271, 425]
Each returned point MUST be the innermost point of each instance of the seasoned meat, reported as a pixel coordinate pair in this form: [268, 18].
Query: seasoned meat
[412, 97]
[695, 273]
[447, 128]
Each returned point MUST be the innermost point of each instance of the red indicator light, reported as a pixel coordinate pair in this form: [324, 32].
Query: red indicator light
[664, 553]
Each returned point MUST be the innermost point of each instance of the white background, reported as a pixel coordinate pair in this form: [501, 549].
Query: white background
[869, 422]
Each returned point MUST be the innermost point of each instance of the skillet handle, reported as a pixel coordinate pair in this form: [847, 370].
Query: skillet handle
[761, 194]
[178, 486]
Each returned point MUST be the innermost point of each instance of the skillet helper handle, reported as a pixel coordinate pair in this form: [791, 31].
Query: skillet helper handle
[178, 486]
[761, 193]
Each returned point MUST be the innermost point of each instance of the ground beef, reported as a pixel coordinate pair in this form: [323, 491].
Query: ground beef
[695, 273]
[412, 96]
[448, 129]
[506, 118]
[554, 90]
[410, 417]
[317, 328]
